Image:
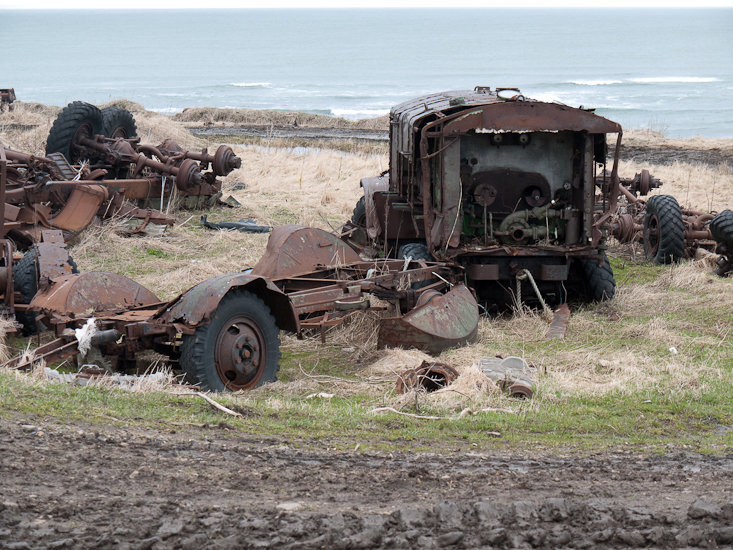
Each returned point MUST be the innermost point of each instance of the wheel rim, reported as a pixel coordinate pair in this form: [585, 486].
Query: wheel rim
[240, 355]
[652, 236]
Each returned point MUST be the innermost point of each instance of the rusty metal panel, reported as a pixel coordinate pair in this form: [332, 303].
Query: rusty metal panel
[445, 321]
[409, 114]
[554, 272]
[53, 259]
[81, 207]
[293, 250]
[372, 186]
[483, 272]
[87, 293]
[559, 324]
[529, 116]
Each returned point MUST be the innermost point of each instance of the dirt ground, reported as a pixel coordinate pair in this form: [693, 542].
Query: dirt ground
[182, 487]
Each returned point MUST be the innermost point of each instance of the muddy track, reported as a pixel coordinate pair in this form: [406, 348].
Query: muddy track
[82, 487]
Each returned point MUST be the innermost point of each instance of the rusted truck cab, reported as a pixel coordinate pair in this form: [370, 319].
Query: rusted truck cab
[505, 187]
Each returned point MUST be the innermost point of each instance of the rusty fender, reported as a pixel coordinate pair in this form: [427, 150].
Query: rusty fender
[195, 306]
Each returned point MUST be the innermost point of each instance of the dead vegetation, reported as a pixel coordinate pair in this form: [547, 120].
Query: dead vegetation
[206, 116]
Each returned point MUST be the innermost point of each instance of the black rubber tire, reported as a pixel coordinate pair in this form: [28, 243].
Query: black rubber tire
[200, 362]
[664, 237]
[76, 119]
[600, 284]
[118, 122]
[417, 251]
[359, 215]
[25, 282]
[721, 228]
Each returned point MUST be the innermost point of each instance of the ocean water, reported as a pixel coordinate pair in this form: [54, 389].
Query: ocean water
[665, 70]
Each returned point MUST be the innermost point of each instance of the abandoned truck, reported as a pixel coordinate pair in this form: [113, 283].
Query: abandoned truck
[513, 191]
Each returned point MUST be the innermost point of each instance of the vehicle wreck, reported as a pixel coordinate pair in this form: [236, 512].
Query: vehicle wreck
[502, 186]
[94, 163]
[491, 199]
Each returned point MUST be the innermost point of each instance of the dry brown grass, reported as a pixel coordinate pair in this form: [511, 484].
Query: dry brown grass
[6, 325]
[695, 186]
[617, 348]
[170, 264]
[318, 188]
[205, 116]
[26, 127]
[650, 138]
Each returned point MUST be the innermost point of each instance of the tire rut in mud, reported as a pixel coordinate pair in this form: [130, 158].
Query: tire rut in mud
[88, 487]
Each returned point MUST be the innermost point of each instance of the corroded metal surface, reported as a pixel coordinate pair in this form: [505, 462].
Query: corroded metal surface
[444, 322]
[293, 250]
[81, 207]
[67, 194]
[559, 323]
[89, 293]
[198, 303]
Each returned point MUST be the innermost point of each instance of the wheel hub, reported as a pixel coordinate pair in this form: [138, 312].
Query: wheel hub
[239, 354]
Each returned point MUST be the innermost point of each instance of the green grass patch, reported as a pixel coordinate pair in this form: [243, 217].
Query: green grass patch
[613, 382]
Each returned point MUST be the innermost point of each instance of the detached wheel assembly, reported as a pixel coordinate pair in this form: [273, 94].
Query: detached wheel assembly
[664, 238]
[239, 349]
[76, 121]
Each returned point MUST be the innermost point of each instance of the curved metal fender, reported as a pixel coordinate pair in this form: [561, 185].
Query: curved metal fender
[196, 305]
[446, 321]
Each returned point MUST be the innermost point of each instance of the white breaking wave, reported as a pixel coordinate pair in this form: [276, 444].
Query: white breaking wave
[670, 79]
[252, 84]
[548, 97]
[595, 82]
[359, 112]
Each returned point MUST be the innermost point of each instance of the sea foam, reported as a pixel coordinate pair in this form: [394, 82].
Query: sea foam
[598, 82]
[674, 79]
[252, 84]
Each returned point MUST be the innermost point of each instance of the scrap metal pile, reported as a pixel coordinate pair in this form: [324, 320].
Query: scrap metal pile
[489, 199]
[94, 163]
[668, 232]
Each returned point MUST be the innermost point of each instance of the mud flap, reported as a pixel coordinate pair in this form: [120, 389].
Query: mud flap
[445, 321]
